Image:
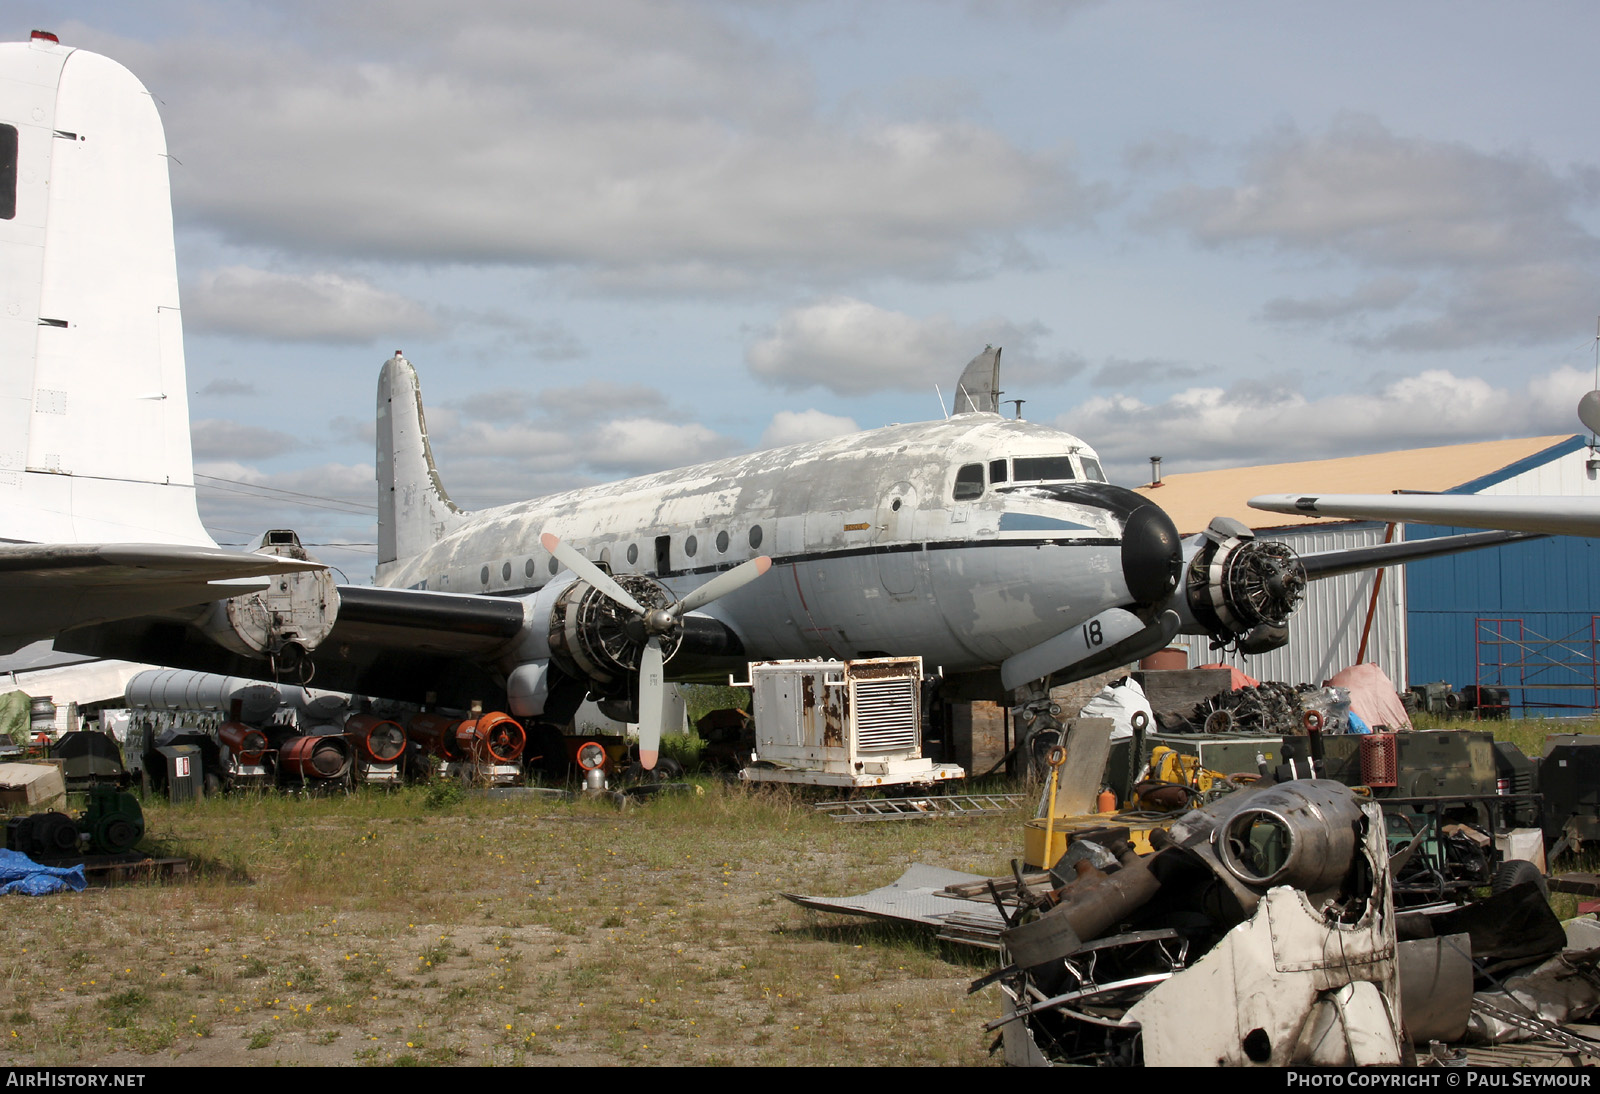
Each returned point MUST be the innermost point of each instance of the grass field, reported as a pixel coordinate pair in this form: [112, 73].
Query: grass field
[375, 929]
[406, 928]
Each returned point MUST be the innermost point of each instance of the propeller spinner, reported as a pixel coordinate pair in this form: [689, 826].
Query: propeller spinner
[655, 625]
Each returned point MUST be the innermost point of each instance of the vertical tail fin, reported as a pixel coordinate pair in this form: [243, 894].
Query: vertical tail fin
[414, 511]
[94, 416]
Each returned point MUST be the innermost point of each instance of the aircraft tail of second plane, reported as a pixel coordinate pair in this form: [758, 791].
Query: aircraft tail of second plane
[414, 511]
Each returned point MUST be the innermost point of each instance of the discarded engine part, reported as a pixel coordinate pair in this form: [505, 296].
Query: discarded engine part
[1090, 904]
[1301, 833]
[1299, 982]
[1271, 708]
[1296, 834]
[375, 740]
[495, 737]
[324, 756]
[42, 835]
[247, 744]
[113, 822]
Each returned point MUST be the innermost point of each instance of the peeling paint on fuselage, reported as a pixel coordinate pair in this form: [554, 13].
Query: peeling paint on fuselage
[872, 553]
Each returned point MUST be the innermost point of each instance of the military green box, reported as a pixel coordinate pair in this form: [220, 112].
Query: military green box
[1431, 762]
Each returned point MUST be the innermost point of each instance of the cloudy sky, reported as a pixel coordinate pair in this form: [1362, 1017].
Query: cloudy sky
[621, 235]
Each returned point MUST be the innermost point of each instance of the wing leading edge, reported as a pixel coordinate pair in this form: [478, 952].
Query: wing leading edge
[1568, 516]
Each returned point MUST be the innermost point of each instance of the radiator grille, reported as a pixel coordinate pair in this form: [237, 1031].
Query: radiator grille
[886, 714]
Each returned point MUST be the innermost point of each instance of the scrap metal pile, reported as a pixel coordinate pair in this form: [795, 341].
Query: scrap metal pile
[1275, 900]
[1263, 930]
[1271, 707]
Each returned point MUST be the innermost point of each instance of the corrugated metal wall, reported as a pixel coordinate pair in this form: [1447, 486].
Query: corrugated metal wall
[1552, 586]
[1325, 633]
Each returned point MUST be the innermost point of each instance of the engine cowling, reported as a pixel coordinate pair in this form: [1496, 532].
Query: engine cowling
[594, 638]
[1242, 590]
[283, 622]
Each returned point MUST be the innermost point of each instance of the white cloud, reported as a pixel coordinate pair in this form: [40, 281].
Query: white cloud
[316, 307]
[852, 347]
[215, 438]
[1480, 248]
[1208, 427]
[1120, 372]
[799, 426]
[1363, 191]
[611, 137]
[638, 445]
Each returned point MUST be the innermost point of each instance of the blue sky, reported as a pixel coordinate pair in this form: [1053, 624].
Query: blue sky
[618, 236]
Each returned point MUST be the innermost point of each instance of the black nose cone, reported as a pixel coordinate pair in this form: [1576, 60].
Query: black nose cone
[1152, 555]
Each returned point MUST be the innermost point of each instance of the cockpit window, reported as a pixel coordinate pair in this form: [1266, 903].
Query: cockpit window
[1091, 469]
[1043, 469]
[997, 472]
[969, 482]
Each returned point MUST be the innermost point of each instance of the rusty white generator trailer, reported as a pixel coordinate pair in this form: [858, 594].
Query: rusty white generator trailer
[841, 723]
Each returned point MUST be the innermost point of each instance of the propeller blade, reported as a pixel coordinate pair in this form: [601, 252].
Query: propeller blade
[652, 703]
[588, 571]
[723, 584]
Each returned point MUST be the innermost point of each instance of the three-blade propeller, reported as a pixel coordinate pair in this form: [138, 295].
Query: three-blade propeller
[657, 623]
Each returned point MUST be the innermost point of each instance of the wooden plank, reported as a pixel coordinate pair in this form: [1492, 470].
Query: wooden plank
[1181, 690]
[1088, 746]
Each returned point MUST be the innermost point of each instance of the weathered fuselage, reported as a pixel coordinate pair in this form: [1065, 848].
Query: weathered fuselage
[962, 541]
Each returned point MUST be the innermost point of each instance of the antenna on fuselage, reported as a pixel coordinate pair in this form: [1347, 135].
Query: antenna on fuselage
[942, 409]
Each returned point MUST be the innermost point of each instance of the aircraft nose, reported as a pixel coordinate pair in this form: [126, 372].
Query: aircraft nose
[1152, 555]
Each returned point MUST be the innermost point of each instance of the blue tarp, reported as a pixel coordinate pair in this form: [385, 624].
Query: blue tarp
[20, 874]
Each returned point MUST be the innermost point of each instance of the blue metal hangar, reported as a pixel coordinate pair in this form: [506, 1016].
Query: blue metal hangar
[1525, 616]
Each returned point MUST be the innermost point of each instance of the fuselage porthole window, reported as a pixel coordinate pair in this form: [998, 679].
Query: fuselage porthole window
[483, 576]
[554, 565]
[505, 572]
[527, 568]
[690, 546]
[755, 535]
[969, 482]
[633, 554]
[722, 543]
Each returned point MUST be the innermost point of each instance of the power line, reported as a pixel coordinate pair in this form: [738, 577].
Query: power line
[274, 493]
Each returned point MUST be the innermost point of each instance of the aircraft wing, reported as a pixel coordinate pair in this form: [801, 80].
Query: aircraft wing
[398, 643]
[1350, 560]
[48, 587]
[1568, 516]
